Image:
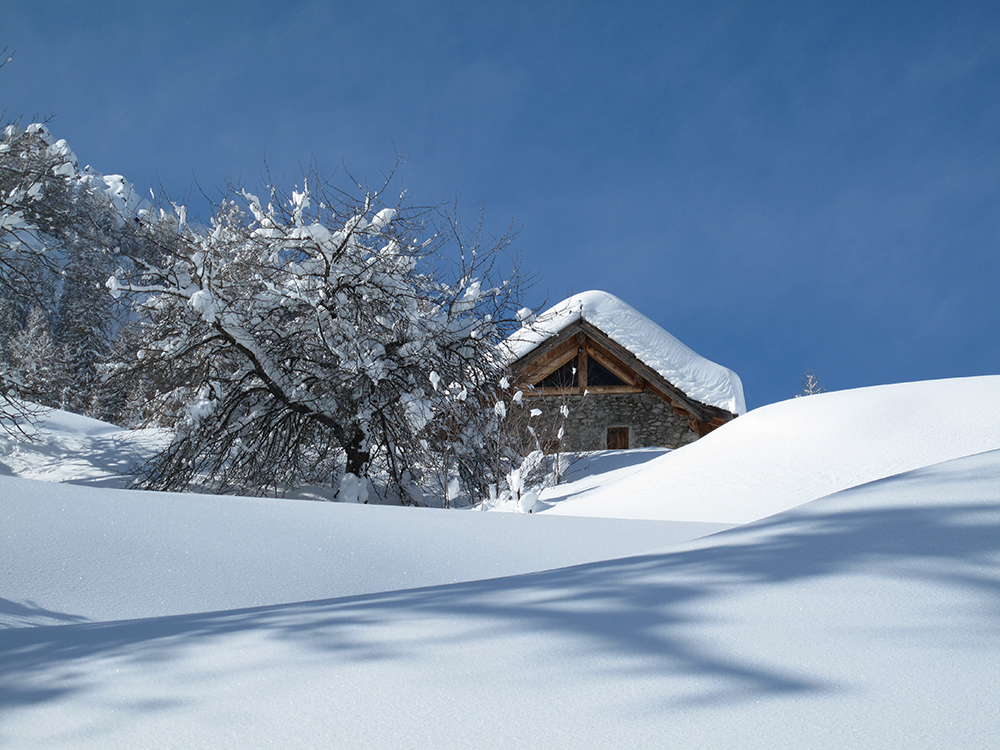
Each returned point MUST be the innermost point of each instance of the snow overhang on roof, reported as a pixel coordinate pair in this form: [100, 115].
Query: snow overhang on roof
[697, 377]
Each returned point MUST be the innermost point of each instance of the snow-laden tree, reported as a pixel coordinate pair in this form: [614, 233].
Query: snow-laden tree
[316, 338]
[60, 227]
[36, 362]
[36, 208]
[45, 200]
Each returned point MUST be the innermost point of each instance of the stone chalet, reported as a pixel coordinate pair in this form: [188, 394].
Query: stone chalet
[623, 380]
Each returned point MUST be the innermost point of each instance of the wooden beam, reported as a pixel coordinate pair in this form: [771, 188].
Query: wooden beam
[611, 362]
[549, 345]
[613, 389]
[657, 381]
[580, 391]
[555, 349]
[571, 391]
[544, 366]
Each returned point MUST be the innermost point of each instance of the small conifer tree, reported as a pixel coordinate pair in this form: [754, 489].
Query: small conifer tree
[810, 385]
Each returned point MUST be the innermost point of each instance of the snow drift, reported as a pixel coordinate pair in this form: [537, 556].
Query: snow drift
[786, 454]
[865, 618]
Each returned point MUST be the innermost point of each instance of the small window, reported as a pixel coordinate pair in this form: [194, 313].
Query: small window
[565, 377]
[598, 374]
[617, 438]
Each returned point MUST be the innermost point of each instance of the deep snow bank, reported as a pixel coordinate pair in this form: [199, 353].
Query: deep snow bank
[68, 552]
[785, 454]
[866, 619]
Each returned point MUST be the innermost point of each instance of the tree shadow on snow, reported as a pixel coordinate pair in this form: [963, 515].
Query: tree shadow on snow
[643, 608]
[14, 614]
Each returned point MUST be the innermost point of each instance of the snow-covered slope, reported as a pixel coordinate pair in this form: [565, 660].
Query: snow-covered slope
[699, 378]
[36, 139]
[77, 552]
[867, 619]
[788, 453]
[65, 447]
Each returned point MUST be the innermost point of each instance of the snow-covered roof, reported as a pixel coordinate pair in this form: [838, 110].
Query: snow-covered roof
[685, 369]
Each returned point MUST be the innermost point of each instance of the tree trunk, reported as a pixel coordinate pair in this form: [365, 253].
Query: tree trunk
[357, 456]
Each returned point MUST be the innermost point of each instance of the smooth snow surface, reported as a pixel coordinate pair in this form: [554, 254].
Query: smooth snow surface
[687, 370]
[785, 454]
[866, 618]
[71, 553]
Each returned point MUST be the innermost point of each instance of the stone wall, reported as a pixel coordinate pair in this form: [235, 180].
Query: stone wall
[650, 419]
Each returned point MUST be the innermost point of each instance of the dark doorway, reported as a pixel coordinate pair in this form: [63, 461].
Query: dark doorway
[617, 438]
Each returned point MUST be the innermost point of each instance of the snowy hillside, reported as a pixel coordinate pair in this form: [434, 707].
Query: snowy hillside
[65, 447]
[121, 192]
[147, 554]
[785, 454]
[864, 618]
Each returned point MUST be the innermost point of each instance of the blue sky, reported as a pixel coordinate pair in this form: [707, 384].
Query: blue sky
[784, 186]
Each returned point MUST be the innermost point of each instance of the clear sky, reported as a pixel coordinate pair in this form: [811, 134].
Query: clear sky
[784, 186]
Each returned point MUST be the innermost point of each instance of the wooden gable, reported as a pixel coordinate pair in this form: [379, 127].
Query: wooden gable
[583, 359]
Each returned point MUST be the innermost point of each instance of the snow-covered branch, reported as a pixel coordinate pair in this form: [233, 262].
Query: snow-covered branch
[325, 317]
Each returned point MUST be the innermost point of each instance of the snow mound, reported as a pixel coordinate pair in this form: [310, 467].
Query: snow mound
[866, 619]
[786, 454]
[69, 552]
[699, 378]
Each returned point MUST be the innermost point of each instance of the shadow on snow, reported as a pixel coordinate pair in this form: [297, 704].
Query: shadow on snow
[634, 607]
